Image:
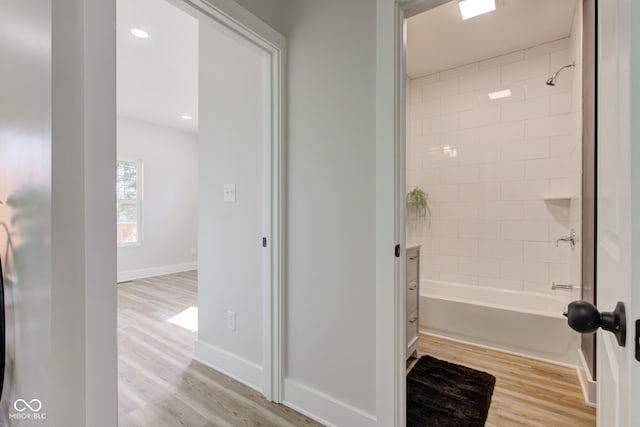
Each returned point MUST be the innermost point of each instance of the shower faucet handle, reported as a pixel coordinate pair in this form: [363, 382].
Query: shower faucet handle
[571, 238]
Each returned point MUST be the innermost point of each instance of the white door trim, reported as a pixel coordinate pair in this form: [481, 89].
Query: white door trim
[390, 202]
[250, 28]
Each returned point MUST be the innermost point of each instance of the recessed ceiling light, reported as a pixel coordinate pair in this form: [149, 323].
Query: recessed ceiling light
[139, 33]
[187, 117]
[505, 93]
[471, 8]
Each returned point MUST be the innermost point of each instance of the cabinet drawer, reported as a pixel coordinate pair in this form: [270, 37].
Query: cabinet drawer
[412, 296]
[412, 326]
[412, 265]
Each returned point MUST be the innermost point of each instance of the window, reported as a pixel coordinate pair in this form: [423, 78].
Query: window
[129, 198]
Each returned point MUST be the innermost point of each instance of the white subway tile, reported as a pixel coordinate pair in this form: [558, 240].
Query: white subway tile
[523, 70]
[460, 138]
[560, 103]
[502, 249]
[536, 231]
[422, 81]
[459, 174]
[430, 246]
[442, 192]
[421, 143]
[558, 229]
[549, 126]
[526, 150]
[415, 127]
[424, 110]
[479, 229]
[560, 59]
[502, 171]
[528, 109]
[460, 247]
[561, 273]
[480, 117]
[484, 267]
[443, 228]
[459, 278]
[541, 210]
[425, 178]
[484, 79]
[522, 270]
[439, 263]
[440, 89]
[501, 210]
[525, 190]
[537, 86]
[415, 95]
[556, 167]
[462, 102]
[514, 285]
[504, 132]
[564, 187]
[437, 159]
[481, 153]
[540, 287]
[501, 60]
[459, 71]
[461, 210]
[438, 124]
[482, 191]
[554, 46]
[560, 146]
[545, 252]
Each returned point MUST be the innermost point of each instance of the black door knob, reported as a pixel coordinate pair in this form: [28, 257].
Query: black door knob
[585, 318]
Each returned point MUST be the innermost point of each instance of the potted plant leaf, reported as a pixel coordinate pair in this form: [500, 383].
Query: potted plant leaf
[418, 201]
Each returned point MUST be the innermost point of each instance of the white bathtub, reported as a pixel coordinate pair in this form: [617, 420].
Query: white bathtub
[525, 323]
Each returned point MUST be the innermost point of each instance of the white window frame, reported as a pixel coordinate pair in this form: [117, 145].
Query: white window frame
[139, 201]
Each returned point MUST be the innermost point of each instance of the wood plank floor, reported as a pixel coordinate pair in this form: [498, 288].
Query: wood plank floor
[527, 392]
[160, 385]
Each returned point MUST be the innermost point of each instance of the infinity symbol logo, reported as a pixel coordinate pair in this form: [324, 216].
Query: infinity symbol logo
[22, 405]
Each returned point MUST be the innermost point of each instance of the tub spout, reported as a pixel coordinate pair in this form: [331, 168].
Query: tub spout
[555, 286]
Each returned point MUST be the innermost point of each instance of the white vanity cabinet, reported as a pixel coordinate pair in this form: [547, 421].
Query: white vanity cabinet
[412, 300]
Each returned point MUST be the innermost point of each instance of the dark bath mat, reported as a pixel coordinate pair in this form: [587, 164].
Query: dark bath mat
[443, 394]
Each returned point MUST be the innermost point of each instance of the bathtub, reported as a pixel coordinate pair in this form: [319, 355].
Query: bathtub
[523, 323]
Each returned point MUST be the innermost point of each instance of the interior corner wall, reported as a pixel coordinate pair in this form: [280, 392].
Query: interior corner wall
[170, 199]
[331, 186]
[268, 11]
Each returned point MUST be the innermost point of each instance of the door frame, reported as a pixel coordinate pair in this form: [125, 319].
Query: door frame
[252, 30]
[390, 201]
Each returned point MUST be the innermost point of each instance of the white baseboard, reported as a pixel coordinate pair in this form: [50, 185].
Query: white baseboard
[499, 350]
[124, 276]
[588, 385]
[239, 369]
[310, 402]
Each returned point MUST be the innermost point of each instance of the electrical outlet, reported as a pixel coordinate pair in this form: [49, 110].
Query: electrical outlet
[231, 320]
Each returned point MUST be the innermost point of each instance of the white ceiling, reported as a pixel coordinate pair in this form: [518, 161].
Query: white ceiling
[439, 39]
[157, 78]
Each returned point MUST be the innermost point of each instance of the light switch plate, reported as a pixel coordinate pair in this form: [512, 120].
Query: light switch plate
[229, 193]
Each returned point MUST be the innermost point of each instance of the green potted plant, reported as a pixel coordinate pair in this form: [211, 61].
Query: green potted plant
[418, 200]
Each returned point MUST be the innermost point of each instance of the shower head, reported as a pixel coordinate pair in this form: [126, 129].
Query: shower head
[551, 81]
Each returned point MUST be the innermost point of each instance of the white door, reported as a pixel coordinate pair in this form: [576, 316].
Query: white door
[618, 238]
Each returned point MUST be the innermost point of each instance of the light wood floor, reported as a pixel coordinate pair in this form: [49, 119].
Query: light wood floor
[159, 384]
[527, 392]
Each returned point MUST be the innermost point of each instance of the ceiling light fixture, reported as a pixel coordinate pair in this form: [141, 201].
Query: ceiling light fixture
[139, 33]
[187, 117]
[472, 8]
[505, 93]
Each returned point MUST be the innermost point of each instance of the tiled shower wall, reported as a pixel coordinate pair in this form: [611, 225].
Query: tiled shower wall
[488, 167]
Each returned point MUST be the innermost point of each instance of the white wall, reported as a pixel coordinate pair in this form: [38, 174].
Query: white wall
[489, 165]
[232, 124]
[170, 206]
[268, 11]
[331, 284]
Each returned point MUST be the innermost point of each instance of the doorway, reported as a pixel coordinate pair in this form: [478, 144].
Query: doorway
[494, 146]
[221, 99]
